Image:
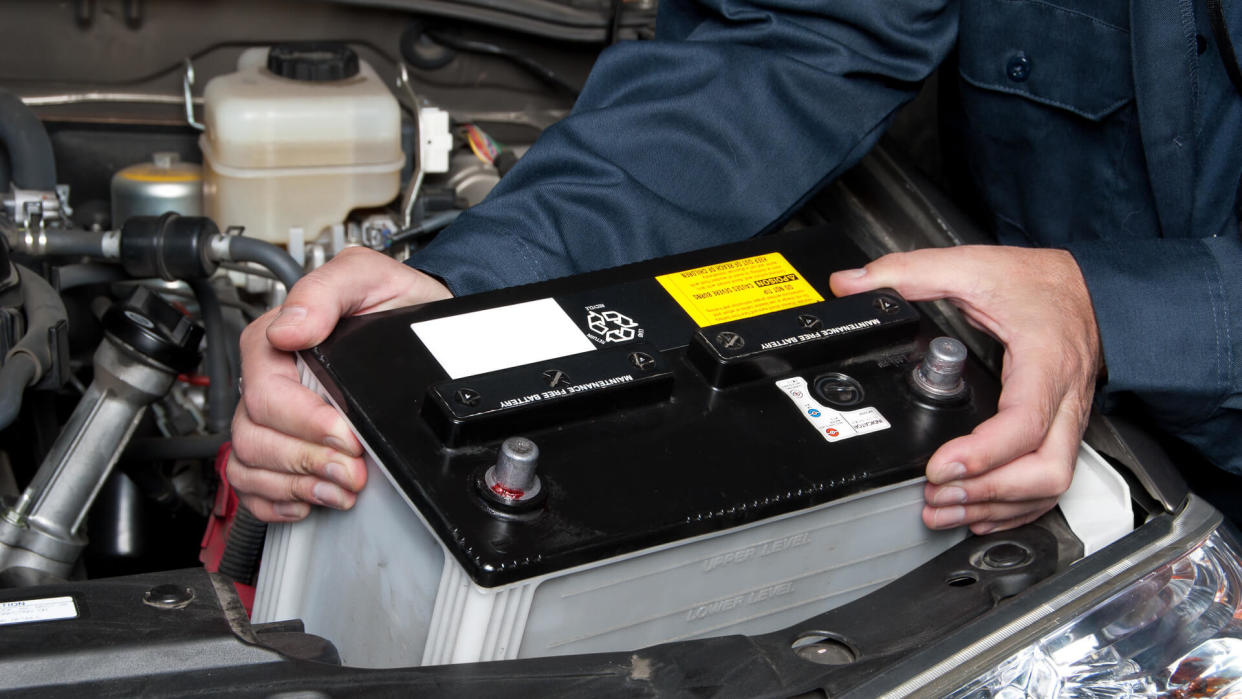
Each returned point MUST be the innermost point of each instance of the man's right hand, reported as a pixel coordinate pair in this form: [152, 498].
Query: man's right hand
[290, 448]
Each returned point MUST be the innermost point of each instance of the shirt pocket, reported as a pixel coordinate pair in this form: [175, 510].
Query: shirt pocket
[1056, 55]
[1048, 123]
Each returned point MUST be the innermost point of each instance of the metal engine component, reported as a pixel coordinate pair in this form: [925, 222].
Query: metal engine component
[147, 342]
[63, 241]
[939, 375]
[170, 247]
[153, 188]
[513, 479]
[34, 209]
[472, 179]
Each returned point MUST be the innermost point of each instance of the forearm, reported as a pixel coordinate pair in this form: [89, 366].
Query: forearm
[721, 127]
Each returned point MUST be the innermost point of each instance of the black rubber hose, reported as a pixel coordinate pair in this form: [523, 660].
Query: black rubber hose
[505, 161]
[430, 225]
[31, 159]
[188, 447]
[413, 53]
[240, 560]
[73, 276]
[532, 66]
[263, 253]
[234, 324]
[221, 396]
[76, 243]
[32, 356]
[416, 30]
[16, 374]
[6, 175]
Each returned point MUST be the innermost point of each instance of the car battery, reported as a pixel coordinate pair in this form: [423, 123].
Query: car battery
[698, 445]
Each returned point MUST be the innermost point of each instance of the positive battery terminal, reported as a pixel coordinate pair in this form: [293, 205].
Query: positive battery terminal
[512, 480]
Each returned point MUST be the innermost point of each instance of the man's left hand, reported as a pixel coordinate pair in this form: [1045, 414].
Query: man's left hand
[1012, 467]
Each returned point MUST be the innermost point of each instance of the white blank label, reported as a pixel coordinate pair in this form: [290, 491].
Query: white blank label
[499, 338]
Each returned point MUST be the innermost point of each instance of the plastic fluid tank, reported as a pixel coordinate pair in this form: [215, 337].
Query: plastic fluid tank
[153, 188]
[300, 135]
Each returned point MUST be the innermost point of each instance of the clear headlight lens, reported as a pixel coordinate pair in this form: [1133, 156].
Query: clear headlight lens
[1175, 633]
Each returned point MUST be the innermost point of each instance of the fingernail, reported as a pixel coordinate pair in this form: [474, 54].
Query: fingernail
[949, 496]
[329, 495]
[946, 517]
[289, 509]
[949, 472]
[289, 316]
[336, 443]
[852, 273]
[983, 528]
[338, 473]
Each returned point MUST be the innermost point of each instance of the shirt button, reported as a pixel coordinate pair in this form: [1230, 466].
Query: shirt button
[1018, 68]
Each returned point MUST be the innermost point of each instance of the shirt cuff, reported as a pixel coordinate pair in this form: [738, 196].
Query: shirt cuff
[1165, 320]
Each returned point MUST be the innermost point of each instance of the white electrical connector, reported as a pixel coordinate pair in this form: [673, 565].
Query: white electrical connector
[436, 141]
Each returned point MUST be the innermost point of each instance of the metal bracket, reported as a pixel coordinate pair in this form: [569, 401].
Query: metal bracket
[187, 81]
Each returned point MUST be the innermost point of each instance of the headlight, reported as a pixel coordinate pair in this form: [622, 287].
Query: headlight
[1176, 632]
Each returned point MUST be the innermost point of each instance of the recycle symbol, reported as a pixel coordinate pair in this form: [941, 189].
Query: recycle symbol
[611, 325]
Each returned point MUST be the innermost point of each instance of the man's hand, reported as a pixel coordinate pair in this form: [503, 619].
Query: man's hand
[290, 448]
[1014, 466]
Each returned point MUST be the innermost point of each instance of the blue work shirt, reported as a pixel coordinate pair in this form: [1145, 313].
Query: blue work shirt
[1096, 126]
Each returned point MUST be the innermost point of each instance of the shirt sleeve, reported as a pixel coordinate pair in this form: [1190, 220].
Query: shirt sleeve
[1170, 318]
[724, 124]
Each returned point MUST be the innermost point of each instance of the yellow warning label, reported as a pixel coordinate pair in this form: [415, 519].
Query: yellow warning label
[739, 289]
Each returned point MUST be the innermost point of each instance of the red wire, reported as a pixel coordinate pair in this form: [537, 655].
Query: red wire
[194, 379]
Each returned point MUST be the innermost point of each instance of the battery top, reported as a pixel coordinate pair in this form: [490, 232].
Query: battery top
[665, 400]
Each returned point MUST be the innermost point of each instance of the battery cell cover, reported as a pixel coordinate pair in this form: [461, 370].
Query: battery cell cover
[723, 447]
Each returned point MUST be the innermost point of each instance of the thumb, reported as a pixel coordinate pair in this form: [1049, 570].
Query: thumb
[306, 318]
[342, 287]
[918, 275]
[357, 280]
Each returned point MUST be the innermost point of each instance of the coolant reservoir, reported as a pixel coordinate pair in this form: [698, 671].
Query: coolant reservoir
[296, 138]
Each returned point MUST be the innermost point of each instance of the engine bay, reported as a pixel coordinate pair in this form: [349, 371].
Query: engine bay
[172, 107]
[169, 169]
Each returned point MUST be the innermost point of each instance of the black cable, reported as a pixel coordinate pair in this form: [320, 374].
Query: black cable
[247, 534]
[533, 67]
[221, 395]
[430, 225]
[417, 30]
[614, 25]
[187, 447]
